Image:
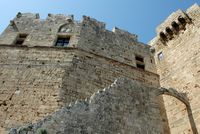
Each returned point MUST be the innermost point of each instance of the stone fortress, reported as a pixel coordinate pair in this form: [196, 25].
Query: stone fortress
[62, 76]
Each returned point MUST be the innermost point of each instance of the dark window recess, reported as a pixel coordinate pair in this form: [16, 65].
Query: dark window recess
[169, 31]
[141, 66]
[137, 58]
[151, 61]
[163, 36]
[182, 20]
[175, 26]
[62, 42]
[19, 42]
[140, 62]
[20, 39]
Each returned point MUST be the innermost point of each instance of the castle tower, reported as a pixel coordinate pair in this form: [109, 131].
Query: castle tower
[46, 64]
[177, 56]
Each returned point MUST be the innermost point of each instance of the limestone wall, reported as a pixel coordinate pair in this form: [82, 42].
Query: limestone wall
[31, 80]
[178, 67]
[91, 71]
[36, 81]
[89, 34]
[125, 107]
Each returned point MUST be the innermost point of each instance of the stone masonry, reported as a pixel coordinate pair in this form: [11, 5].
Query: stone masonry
[178, 63]
[39, 77]
[47, 64]
[106, 112]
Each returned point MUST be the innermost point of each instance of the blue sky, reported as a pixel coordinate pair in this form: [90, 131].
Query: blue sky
[136, 16]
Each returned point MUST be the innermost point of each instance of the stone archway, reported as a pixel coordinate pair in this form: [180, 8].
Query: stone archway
[182, 97]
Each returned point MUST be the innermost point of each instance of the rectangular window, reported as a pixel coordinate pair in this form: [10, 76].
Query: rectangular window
[20, 39]
[62, 41]
[141, 66]
[141, 59]
[140, 62]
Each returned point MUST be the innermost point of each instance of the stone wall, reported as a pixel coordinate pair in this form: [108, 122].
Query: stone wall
[31, 80]
[125, 107]
[36, 81]
[178, 67]
[88, 34]
[91, 71]
[39, 77]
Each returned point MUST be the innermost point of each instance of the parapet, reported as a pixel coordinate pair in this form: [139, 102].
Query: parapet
[121, 32]
[93, 22]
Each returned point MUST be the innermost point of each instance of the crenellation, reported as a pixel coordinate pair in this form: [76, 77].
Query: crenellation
[121, 32]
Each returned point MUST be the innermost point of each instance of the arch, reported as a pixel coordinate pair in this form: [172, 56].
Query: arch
[183, 98]
[65, 28]
[174, 93]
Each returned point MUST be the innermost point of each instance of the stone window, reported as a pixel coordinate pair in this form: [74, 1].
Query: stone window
[62, 41]
[20, 39]
[160, 56]
[140, 62]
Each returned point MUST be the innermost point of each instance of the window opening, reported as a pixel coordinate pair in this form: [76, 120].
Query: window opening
[140, 62]
[175, 26]
[181, 20]
[62, 41]
[20, 39]
[163, 36]
[160, 56]
[141, 59]
[140, 66]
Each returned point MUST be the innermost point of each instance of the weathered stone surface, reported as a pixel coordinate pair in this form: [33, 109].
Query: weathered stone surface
[125, 107]
[179, 69]
[38, 77]
[89, 35]
[39, 81]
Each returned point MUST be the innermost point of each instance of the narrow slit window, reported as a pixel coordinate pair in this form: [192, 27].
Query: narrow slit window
[62, 41]
[20, 39]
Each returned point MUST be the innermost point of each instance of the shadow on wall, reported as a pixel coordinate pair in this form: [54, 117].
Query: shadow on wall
[183, 98]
